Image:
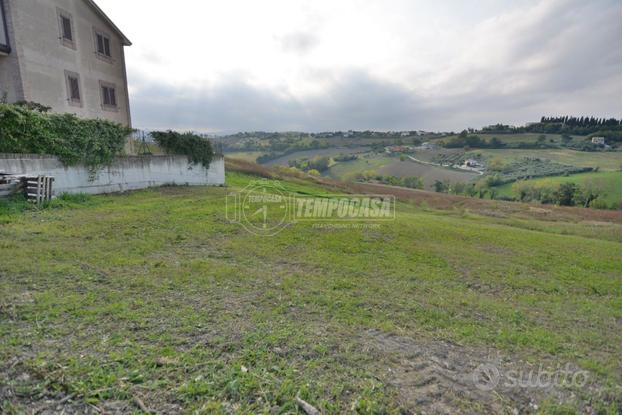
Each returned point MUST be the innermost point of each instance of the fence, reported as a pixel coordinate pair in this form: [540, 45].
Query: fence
[142, 141]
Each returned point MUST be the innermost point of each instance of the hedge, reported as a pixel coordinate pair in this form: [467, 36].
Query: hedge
[196, 148]
[92, 142]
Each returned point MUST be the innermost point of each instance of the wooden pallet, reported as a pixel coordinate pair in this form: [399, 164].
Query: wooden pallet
[39, 189]
[10, 185]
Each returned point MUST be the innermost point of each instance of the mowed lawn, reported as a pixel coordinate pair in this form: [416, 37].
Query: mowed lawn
[154, 297]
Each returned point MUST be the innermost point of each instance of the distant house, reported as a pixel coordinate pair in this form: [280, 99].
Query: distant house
[472, 163]
[64, 54]
[598, 141]
[428, 146]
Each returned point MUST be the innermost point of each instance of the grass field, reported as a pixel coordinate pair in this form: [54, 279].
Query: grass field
[366, 163]
[246, 155]
[330, 152]
[429, 174]
[607, 161]
[393, 166]
[513, 138]
[153, 299]
[609, 183]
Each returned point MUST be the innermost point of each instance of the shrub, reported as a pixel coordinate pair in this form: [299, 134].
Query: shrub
[92, 142]
[198, 149]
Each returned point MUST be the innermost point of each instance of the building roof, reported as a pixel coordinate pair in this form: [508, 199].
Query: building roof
[100, 12]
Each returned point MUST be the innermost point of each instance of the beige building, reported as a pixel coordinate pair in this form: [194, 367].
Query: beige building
[65, 54]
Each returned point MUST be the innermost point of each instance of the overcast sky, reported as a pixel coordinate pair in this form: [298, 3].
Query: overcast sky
[317, 65]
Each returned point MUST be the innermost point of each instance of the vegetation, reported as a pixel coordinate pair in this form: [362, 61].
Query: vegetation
[26, 129]
[318, 163]
[605, 186]
[531, 167]
[153, 296]
[410, 182]
[197, 148]
[604, 160]
[562, 125]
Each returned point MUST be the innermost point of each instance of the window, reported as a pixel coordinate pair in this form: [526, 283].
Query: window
[102, 45]
[74, 94]
[4, 34]
[66, 28]
[67, 35]
[109, 95]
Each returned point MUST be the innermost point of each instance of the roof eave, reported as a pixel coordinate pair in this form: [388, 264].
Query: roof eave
[98, 10]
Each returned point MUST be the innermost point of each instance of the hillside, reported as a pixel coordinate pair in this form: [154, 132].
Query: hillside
[152, 299]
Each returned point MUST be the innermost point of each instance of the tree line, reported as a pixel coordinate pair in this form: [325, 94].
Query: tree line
[581, 121]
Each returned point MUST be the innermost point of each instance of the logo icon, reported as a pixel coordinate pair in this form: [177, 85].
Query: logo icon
[262, 208]
[265, 208]
[486, 377]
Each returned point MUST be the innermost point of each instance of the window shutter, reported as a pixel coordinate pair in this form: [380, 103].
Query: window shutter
[100, 44]
[106, 46]
[74, 87]
[113, 97]
[105, 95]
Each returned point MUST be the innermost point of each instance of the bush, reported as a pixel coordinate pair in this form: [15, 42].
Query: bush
[198, 149]
[92, 142]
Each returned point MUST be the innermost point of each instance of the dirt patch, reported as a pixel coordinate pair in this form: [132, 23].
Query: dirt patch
[445, 378]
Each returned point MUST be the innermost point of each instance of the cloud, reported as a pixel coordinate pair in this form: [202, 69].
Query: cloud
[370, 72]
[299, 43]
[354, 99]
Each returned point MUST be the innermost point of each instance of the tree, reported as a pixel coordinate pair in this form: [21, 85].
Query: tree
[565, 194]
[441, 186]
[413, 182]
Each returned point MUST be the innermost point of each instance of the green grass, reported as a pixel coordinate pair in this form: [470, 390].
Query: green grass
[155, 294]
[605, 160]
[347, 170]
[609, 183]
[246, 155]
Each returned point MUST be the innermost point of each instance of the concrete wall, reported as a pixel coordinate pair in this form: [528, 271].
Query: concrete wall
[127, 173]
[11, 86]
[43, 58]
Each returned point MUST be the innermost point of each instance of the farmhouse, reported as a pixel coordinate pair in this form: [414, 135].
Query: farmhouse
[598, 141]
[64, 54]
[472, 163]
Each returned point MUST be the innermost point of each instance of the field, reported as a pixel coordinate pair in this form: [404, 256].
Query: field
[429, 174]
[393, 166]
[610, 183]
[608, 161]
[366, 162]
[246, 155]
[331, 152]
[512, 138]
[152, 300]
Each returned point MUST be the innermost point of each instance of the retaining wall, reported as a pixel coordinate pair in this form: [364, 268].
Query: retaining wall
[126, 173]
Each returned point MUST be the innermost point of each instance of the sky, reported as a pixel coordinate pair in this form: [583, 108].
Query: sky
[322, 65]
